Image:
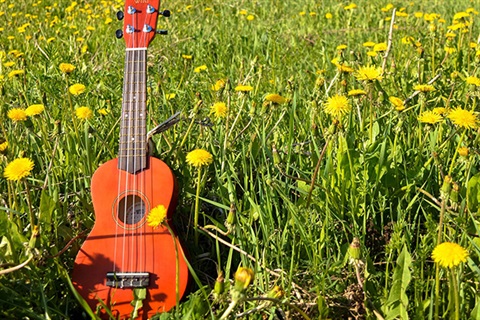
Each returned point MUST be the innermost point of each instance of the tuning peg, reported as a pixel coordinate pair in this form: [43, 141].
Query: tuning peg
[120, 15]
[162, 32]
[165, 13]
[150, 9]
[119, 34]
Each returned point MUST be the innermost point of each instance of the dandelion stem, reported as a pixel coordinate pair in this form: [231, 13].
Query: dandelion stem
[315, 173]
[30, 209]
[197, 201]
[177, 266]
[72, 112]
[452, 164]
[188, 131]
[229, 310]
[456, 296]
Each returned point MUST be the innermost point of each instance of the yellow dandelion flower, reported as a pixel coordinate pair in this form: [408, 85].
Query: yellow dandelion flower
[275, 98]
[220, 84]
[250, 17]
[397, 102]
[15, 73]
[66, 67]
[243, 277]
[440, 110]
[34, 109]
[473, 80]
[18, 169]
[170, 96]
[460, 15]
[369, 44]
[350, 6]
[243, 12]
[372, 54]
[356, 92]
[104, 111]
[379, 47]
[84, 113]
[342, 67]
[157, 216]
[341, 47]
[408, 40]
[3, 146]
[219, 109]
[328, 15]
[17, 114]
[463, 151]
[463, 118]
[369, 73]
[472, 45]
[242, 88]
[430, 117]
[77, 89]
[387, 8]
[9, 64]
[450, 50]
[424, 87]
[337, 106]
[199, 158]
[200, 68]
[187, 56]
[449, 255]
[450, 35]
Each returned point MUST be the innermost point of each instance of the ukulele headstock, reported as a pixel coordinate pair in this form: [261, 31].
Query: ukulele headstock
[140, 25]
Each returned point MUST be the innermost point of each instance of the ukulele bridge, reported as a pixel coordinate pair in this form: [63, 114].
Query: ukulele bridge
[128, 279]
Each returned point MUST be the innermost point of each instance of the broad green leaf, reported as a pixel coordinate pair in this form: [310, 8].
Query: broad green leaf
[139, 294]
[47, 205]
[397, 300]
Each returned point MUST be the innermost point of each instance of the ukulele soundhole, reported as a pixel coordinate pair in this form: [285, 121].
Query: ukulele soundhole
[131, 209]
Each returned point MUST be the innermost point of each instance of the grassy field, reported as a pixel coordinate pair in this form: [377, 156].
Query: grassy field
[345, 146]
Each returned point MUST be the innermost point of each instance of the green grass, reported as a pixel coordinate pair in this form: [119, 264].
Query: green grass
[378, 172]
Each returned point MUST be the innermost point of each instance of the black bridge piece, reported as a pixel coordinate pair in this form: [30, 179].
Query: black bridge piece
[128, 279]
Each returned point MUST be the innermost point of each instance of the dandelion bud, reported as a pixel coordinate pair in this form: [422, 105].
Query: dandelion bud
[276, 293]
[231, 218]
[446, 187]
[219, 287]
[454, 195]
[354, 251]
[463, 151]
[243, 278]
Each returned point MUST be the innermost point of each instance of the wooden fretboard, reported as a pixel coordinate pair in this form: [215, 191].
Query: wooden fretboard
[132, 153]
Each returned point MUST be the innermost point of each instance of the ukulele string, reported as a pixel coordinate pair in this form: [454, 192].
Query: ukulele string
[142, 132]
[128, 115]
[132, 262]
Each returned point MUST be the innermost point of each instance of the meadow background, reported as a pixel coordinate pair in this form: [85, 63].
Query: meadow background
[336, 205]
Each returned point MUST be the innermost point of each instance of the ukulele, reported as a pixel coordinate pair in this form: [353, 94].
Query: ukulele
[123, 255]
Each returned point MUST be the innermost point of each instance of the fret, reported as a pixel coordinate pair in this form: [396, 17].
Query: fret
[133, 139]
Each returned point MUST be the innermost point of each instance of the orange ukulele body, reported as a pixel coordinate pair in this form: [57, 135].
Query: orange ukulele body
[131, 247]
[123, 255]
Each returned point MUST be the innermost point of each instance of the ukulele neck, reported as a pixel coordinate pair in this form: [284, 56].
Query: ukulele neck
[132, 154]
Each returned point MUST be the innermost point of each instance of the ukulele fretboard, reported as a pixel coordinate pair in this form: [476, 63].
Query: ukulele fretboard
[132, 154]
